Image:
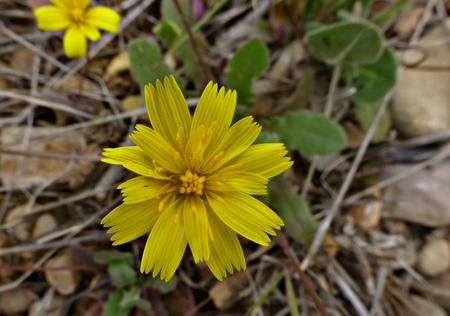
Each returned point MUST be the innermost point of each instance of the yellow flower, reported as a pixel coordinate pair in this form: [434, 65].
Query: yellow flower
[196, 177]
[80, 22]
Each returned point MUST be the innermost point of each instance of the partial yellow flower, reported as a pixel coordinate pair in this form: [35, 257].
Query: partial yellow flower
[196, 178]
[80, 21]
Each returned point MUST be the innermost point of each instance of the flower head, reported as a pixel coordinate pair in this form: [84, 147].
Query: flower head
[80, 21]
[196, 178]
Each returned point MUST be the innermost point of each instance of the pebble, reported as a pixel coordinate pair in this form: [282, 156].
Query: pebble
[64, 281]
[422, 98]
[16, 301]
[434, 257]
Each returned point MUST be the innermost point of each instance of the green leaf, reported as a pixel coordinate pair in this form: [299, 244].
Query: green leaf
[365, 6]
[168, 32]
[365, 113]
[350, 42]
[131, 299]
[162, 286]
[112, 306]
[169, 12]
[146, 62]
[122, 274]
[105, 257]
[391, 12]
[293, 210]
[312, 134]
[267, 137]
[375, 80]
[184, 51]
[248, 61]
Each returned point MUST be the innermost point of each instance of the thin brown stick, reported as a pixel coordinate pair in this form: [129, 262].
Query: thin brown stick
[308, 287]
[194, 44]
[4, 151]
[429, 68]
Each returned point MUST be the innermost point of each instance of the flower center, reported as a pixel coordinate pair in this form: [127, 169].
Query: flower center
[191, 183]
[77, 16]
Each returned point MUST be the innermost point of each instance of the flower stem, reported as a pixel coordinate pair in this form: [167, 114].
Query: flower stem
[198, 54]
[308, 287]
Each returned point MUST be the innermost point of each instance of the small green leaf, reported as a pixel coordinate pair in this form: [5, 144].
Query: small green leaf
[163, 286]
[105, 257]
[293, 210]
[391, 12]
[365, 113]
[249, 61]
[184, 51]
[312, 134]
[267, 137]
[169, 12]
[376, 79]
[365, 6]
[146, 62]
[168, 32]
[112, 306]
[131, 299]
[350, 42]
[122, 274]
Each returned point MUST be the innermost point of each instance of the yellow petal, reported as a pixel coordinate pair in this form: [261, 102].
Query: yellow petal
[49, 18]
[134, 159]
[154, 145]
[74, 43]
[104, 18]
[63, 4]
[215, 107]
[71, 4]
[141, 189]
[130, 221]
[166, 244]
[245, 215]
[193, 156]
[267, 160]
[81, 4]
[168, 112]
[90, 31]
[245, 182]
[238, 138]
[225, 250]
[196, 227]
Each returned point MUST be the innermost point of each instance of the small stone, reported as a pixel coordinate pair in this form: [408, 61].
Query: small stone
[434, 257]
[422, 198]
[421, 101]
[21, 225]
[45, 224]
[16, 301]
[366, 216]
[64, 281]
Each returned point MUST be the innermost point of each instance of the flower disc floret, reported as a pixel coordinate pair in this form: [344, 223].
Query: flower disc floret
[196, 178]
[191, 183]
